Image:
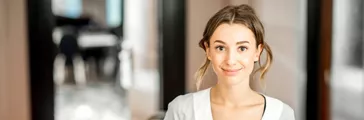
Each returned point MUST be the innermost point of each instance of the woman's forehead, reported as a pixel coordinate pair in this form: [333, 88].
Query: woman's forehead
[232, 33]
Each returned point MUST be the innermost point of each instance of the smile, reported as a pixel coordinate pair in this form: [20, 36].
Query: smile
[231, 72]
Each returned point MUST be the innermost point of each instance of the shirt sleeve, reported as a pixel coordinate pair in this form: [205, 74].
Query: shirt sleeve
[173, 112]
[287, 113]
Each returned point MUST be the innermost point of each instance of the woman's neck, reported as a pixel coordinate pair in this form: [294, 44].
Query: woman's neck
[232, 95]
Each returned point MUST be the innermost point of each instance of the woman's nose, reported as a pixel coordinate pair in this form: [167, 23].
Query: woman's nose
[231, 58]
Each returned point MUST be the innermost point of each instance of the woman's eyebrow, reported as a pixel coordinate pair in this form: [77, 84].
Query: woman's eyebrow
[219, 41]
[240, 42]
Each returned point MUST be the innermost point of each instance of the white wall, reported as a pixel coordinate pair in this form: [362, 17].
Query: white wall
[346, 81]
[140, 35]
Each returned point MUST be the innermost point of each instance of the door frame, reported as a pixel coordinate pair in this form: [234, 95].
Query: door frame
[319, 37]
[14, 86]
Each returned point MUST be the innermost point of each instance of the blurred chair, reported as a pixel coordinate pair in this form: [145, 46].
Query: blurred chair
[69, 56]
[102, 47]
[80, 41]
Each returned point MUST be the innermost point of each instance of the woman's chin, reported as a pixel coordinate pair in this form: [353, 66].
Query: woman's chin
[231, 80]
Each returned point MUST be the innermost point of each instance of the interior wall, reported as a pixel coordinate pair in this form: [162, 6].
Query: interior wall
[141, 37]
[347, 61]
[95, 8]
[284, 22]
[3, 111]
[14, 93]
[196, 20]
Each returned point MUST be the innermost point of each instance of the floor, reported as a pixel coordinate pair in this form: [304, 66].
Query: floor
[107, 100]
[96, 101]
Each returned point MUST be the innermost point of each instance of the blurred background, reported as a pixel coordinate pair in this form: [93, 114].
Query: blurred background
[127, 59]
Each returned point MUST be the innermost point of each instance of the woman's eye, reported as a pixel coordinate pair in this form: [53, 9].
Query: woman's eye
[220, 48]
[242, 48]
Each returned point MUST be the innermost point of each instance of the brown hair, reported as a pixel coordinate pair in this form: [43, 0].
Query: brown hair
[241, 14]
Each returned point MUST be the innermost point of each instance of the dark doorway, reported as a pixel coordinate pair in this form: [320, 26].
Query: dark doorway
[41, 55]
[172, 19]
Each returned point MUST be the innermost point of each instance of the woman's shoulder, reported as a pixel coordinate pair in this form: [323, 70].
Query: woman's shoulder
[181, 101]
[278, 108]
[186, 101]
[183, 106]
[275, 101]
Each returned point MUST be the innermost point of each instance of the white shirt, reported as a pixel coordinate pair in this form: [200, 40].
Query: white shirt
[197, 106]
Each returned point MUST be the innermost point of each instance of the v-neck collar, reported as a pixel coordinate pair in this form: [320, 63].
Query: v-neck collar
[203, 110]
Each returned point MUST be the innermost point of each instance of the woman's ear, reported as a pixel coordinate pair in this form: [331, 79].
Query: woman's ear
[258, 52]
[207, 50]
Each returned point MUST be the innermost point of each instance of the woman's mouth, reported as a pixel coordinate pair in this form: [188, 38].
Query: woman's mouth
[231, 72]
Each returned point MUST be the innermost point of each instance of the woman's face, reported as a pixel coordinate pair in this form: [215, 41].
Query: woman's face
[232, 52]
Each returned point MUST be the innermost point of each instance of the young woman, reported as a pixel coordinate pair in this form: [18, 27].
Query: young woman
[233, 41]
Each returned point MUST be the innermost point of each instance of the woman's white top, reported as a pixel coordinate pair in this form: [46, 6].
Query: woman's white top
[197, 106]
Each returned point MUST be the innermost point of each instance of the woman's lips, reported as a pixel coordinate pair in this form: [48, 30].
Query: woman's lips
[231, 72]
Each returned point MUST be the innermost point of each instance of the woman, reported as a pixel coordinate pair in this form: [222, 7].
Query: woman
[233, 41]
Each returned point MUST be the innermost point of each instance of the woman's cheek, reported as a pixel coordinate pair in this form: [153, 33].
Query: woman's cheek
[246, 60]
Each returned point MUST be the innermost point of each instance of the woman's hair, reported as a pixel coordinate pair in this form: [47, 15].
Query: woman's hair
[241, 14]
